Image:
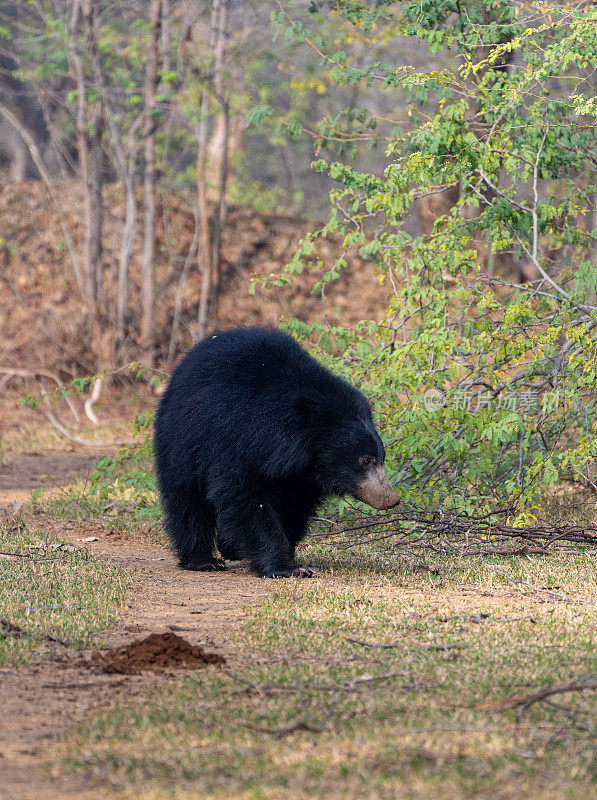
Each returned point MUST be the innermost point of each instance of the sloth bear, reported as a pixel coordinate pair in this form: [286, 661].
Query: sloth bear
[250, 435]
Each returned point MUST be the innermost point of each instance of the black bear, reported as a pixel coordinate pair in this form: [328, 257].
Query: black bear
[250, 435]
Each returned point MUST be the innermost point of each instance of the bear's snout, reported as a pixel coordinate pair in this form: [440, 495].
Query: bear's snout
[376, 490]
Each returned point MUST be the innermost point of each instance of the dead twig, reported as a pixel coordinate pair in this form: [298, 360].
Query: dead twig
[10, 556]
[389, 646]
[523, 701]
[298, 726]
[8, 628]
[558, 595]
[91, 401]
[407, 524]
[348, 685]
[9, 372]
[376, 645]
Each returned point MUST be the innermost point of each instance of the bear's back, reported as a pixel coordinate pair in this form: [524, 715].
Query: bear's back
[242, 397]
[254, 360]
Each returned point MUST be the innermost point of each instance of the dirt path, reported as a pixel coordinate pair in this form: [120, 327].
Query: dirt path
[44, 469]
[41, 700]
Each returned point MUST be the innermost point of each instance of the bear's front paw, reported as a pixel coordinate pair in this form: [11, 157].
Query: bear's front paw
[212, 565]
[298, 571]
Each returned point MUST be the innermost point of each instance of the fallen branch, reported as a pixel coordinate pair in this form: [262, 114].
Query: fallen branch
[523, 701]
[71, 436]
[427, 524]
[390, 646]
[8, 628]
[9, 372]
[309, 689]
[557, 595]
[91, 401]
[376, 645]
[279, 732]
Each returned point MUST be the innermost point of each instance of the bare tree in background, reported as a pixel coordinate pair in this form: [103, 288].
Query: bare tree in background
[156, 13]
[124, 150]
[82, 37]
[220, 213]
[210, 247]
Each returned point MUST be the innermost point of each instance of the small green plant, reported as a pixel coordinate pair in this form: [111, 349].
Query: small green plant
[128, 476]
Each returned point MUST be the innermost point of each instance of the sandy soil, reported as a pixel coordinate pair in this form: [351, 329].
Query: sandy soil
[39, 701]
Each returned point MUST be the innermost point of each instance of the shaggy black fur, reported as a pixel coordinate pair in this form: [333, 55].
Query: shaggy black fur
[251, 434]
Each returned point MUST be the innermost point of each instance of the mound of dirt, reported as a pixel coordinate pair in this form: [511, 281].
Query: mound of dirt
[156, 653]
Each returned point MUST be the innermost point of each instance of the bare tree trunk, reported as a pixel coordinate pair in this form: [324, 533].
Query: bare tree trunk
[126, 170]
[82, 143]
[149, 204]
[125, 165]
[89, 149]
[93, 170]
[179, 291]
[97, 204]
[220, 214]
[165, 11]
[204, 253]
[204, 250]
[220, 217]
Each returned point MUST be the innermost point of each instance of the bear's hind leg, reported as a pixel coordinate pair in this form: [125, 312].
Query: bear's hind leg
[191, 523]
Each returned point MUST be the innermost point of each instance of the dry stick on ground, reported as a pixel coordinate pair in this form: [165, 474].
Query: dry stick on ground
[298, 726]
[376, 645]
[8, 628]
[524, 550]
[557, 595]
[13, 556]
[349, 685]
[392, 645]
[523, 701]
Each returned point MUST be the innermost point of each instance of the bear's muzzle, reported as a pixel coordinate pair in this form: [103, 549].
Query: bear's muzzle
[376, 490]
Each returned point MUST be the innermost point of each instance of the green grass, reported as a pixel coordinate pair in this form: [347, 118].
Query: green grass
[317, 709]
[77, 504]
[51, 589]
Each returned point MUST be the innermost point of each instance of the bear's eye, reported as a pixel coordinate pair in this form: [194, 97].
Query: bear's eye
[367, 461]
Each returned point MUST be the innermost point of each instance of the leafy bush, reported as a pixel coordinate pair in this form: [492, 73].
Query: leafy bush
[484, 386]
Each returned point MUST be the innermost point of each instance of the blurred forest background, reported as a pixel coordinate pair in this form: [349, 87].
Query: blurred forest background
[408, 185]
[130, 123]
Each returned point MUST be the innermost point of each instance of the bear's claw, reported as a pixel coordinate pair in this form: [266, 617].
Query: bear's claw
[213, 565]
[298, 571]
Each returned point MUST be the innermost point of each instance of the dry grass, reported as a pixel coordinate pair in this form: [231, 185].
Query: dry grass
[368, 682]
